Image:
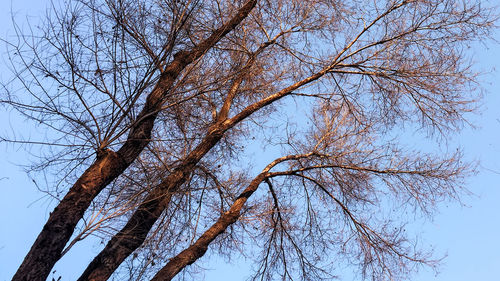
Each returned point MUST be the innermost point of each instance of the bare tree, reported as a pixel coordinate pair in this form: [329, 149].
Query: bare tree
[155, 109]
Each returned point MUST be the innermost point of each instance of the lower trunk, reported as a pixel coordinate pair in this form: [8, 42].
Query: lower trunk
[124, 243]
[199, 248]
[48, 247]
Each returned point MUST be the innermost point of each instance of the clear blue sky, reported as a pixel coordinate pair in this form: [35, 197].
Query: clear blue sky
[468, 235]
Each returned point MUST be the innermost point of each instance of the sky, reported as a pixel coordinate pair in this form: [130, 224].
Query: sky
[467, 234]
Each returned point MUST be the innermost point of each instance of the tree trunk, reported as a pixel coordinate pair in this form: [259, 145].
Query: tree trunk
[199, 248]
[48, 246]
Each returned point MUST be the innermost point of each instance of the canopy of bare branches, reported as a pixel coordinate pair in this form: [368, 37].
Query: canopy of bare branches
[270, 129]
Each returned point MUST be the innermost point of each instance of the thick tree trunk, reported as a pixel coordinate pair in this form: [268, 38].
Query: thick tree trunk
[50, 242]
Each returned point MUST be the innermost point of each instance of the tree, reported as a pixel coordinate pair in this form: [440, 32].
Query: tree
[155, 107]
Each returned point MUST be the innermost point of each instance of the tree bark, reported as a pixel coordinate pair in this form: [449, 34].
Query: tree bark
[199, 248]
[50, 242]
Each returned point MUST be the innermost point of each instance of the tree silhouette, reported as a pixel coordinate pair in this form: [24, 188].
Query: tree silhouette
[160, 110]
